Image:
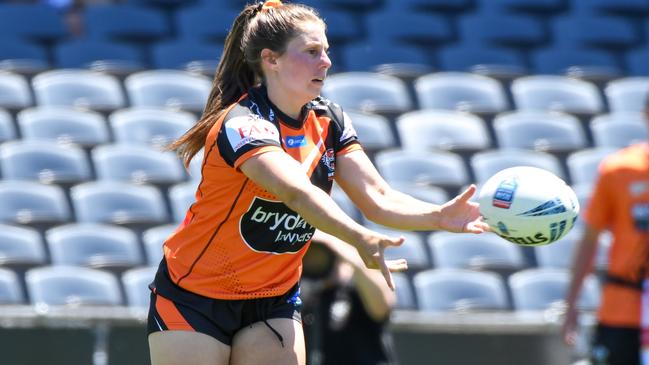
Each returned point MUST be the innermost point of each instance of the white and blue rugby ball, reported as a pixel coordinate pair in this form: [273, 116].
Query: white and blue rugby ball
[528, 206]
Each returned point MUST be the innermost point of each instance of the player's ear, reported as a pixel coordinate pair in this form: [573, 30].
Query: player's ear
[269, 58]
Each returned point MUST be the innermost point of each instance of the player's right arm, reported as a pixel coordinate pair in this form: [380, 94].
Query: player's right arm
[582, 265]
[282, 176]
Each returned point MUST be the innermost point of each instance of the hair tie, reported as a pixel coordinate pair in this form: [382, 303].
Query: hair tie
[271, 4]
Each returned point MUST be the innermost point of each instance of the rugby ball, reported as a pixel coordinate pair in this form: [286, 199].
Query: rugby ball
[528, 206]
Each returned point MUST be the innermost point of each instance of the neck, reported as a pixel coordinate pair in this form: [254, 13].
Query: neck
[284, 102]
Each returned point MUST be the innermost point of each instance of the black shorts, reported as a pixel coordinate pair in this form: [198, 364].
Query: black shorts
[615, 346]
[180, 309]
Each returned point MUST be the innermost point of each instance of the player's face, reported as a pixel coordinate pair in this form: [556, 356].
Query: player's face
[303, 66]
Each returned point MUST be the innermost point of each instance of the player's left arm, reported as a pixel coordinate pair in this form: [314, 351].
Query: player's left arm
[358, 177]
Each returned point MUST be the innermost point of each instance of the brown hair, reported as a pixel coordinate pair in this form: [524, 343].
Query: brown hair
[240, 66]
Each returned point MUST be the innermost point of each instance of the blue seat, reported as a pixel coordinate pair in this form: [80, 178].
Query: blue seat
[168, 88]
[444, 6]
[487, 163]
[7, 129]
[367, 56]
[560, 254]
[373, 130]
[153, 238]
[470, 251]
[181, 197]
[636, 61]
[83, 53]
[99, 246]
[556, 93]
[459, 290]
[33, 204]
[72, 286]
[404, 291]
[465, 57]
[21, 246]
[40, 22]
[443, 130]
[427, 193]
[460, 91]
[44, 161]
[78, 88]
[619, 130]
[136, 286]
[540, 289]
[559, 60]
[342, 27]
[543, 131]
[137, 164]
[413, 249]
[612, 7]
[407, 26]
[627, 94]
[501, 29]
[582, 165]
[204, 23]
[149, 126]
[125, 22]
[15, 92]
[533, 7]
[22, 57]
[179, 54]
[368, 91]
[593, 31]
[64, 125]
[10, 288]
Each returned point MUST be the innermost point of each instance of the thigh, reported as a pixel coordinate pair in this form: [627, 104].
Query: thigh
[258, 344]
[187, 347]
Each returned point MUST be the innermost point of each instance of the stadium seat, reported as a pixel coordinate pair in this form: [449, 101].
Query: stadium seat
[15, 92]
[443, 169]
[540, 130]
[355, 4]
[442, 130]
[7, 129]
[342, 26]
[636, 61]
[560, 254]
[590, 30]
[582, 62]
[368, 91]
[541, 289]
[134, 206]
[136, 164]
[204, 22]
[11, 291]
[195, 166]
[78, 88]
[405, 294]
[149, 126]
[470, 251]
[99, 246]
[64, 125]
[21, 247]
[181, 197]
[125, 22]
[427, 193]
[407, 26]
[373, 131]
[459, 290]
[72, 286]
[369, 56]
[39, 22]
[532, 7]
[33, 204]
[180, 54]
[168, 88]
[557, 93]
[153, 238]
[460, 91]
[136, 286]
[21, 57]
[582, 165]
[86, 53]
[613, 7]
[619, 129]
[486, 163]
[508, 30]
[44, 161]
[466, 57]
[444, 6]
[628, 94]
[413, 249]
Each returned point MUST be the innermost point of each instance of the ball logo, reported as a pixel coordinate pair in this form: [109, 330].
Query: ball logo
[504, 194]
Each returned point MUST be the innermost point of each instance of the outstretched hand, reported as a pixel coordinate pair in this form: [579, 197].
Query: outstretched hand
[372, 253]
[461, 215]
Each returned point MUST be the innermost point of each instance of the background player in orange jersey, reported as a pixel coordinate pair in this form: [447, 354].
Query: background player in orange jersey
[619, 203]
[227, 289]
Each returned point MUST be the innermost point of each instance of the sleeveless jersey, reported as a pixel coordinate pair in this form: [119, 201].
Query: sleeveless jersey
[237, 240]
[620, 203]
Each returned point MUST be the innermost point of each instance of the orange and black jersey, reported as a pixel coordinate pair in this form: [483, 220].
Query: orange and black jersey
[238, 241]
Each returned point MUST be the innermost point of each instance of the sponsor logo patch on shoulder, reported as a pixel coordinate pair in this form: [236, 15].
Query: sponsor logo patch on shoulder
[249, 129]
[504, 194]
